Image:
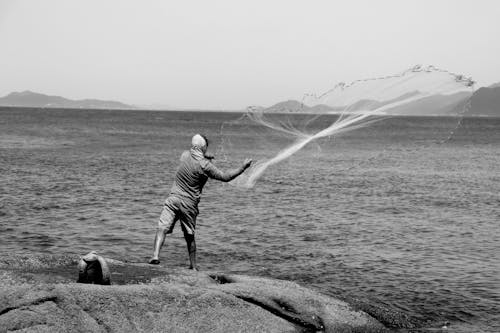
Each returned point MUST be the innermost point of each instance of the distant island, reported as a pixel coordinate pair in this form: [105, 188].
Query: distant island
[32, 99]
[485, 102]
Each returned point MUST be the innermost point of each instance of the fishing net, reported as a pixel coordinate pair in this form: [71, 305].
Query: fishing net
[419, 107]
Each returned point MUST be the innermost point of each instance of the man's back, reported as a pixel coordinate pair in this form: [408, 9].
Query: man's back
[193, 173]
[189, 178]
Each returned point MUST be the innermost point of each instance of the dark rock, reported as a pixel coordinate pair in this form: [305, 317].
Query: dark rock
[93, 269]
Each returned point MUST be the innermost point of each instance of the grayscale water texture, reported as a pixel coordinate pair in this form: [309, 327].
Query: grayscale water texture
[416, 230]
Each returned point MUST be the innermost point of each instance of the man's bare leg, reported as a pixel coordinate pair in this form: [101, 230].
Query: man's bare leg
[191, 246]
[158, 243]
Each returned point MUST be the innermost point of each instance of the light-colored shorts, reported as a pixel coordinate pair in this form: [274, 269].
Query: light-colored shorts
[176, 208]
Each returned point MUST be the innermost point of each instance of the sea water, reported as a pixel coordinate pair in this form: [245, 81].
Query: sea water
[415, 229]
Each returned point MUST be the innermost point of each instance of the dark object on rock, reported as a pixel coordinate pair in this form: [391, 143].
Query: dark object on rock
[93, 269]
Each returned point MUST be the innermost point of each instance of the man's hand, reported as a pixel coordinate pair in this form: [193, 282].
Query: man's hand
[247, 163]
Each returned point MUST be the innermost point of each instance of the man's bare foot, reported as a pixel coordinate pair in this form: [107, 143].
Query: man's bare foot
[194, 268]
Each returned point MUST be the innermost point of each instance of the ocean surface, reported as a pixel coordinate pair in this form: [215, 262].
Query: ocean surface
[377, 216]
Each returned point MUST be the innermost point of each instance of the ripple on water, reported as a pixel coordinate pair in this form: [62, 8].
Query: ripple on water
[421, 238]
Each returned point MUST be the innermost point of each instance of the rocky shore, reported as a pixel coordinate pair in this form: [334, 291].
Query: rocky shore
[40, 294]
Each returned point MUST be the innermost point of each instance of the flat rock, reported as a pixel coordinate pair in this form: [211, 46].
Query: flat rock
[39, 294]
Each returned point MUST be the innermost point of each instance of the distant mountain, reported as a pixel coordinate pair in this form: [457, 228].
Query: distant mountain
[433, 105]
[495, 85]
[288, 106]
[32, 99]
[293, 106]
[484, 102]
[370, 104]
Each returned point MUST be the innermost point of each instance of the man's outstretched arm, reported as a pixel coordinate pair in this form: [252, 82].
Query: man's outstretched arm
[214, 173]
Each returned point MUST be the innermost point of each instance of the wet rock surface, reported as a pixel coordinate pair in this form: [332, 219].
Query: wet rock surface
[40, 294]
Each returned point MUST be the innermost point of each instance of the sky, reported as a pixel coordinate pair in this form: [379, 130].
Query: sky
[230, 54]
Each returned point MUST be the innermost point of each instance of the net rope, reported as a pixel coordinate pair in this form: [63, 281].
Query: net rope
[358, 104]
